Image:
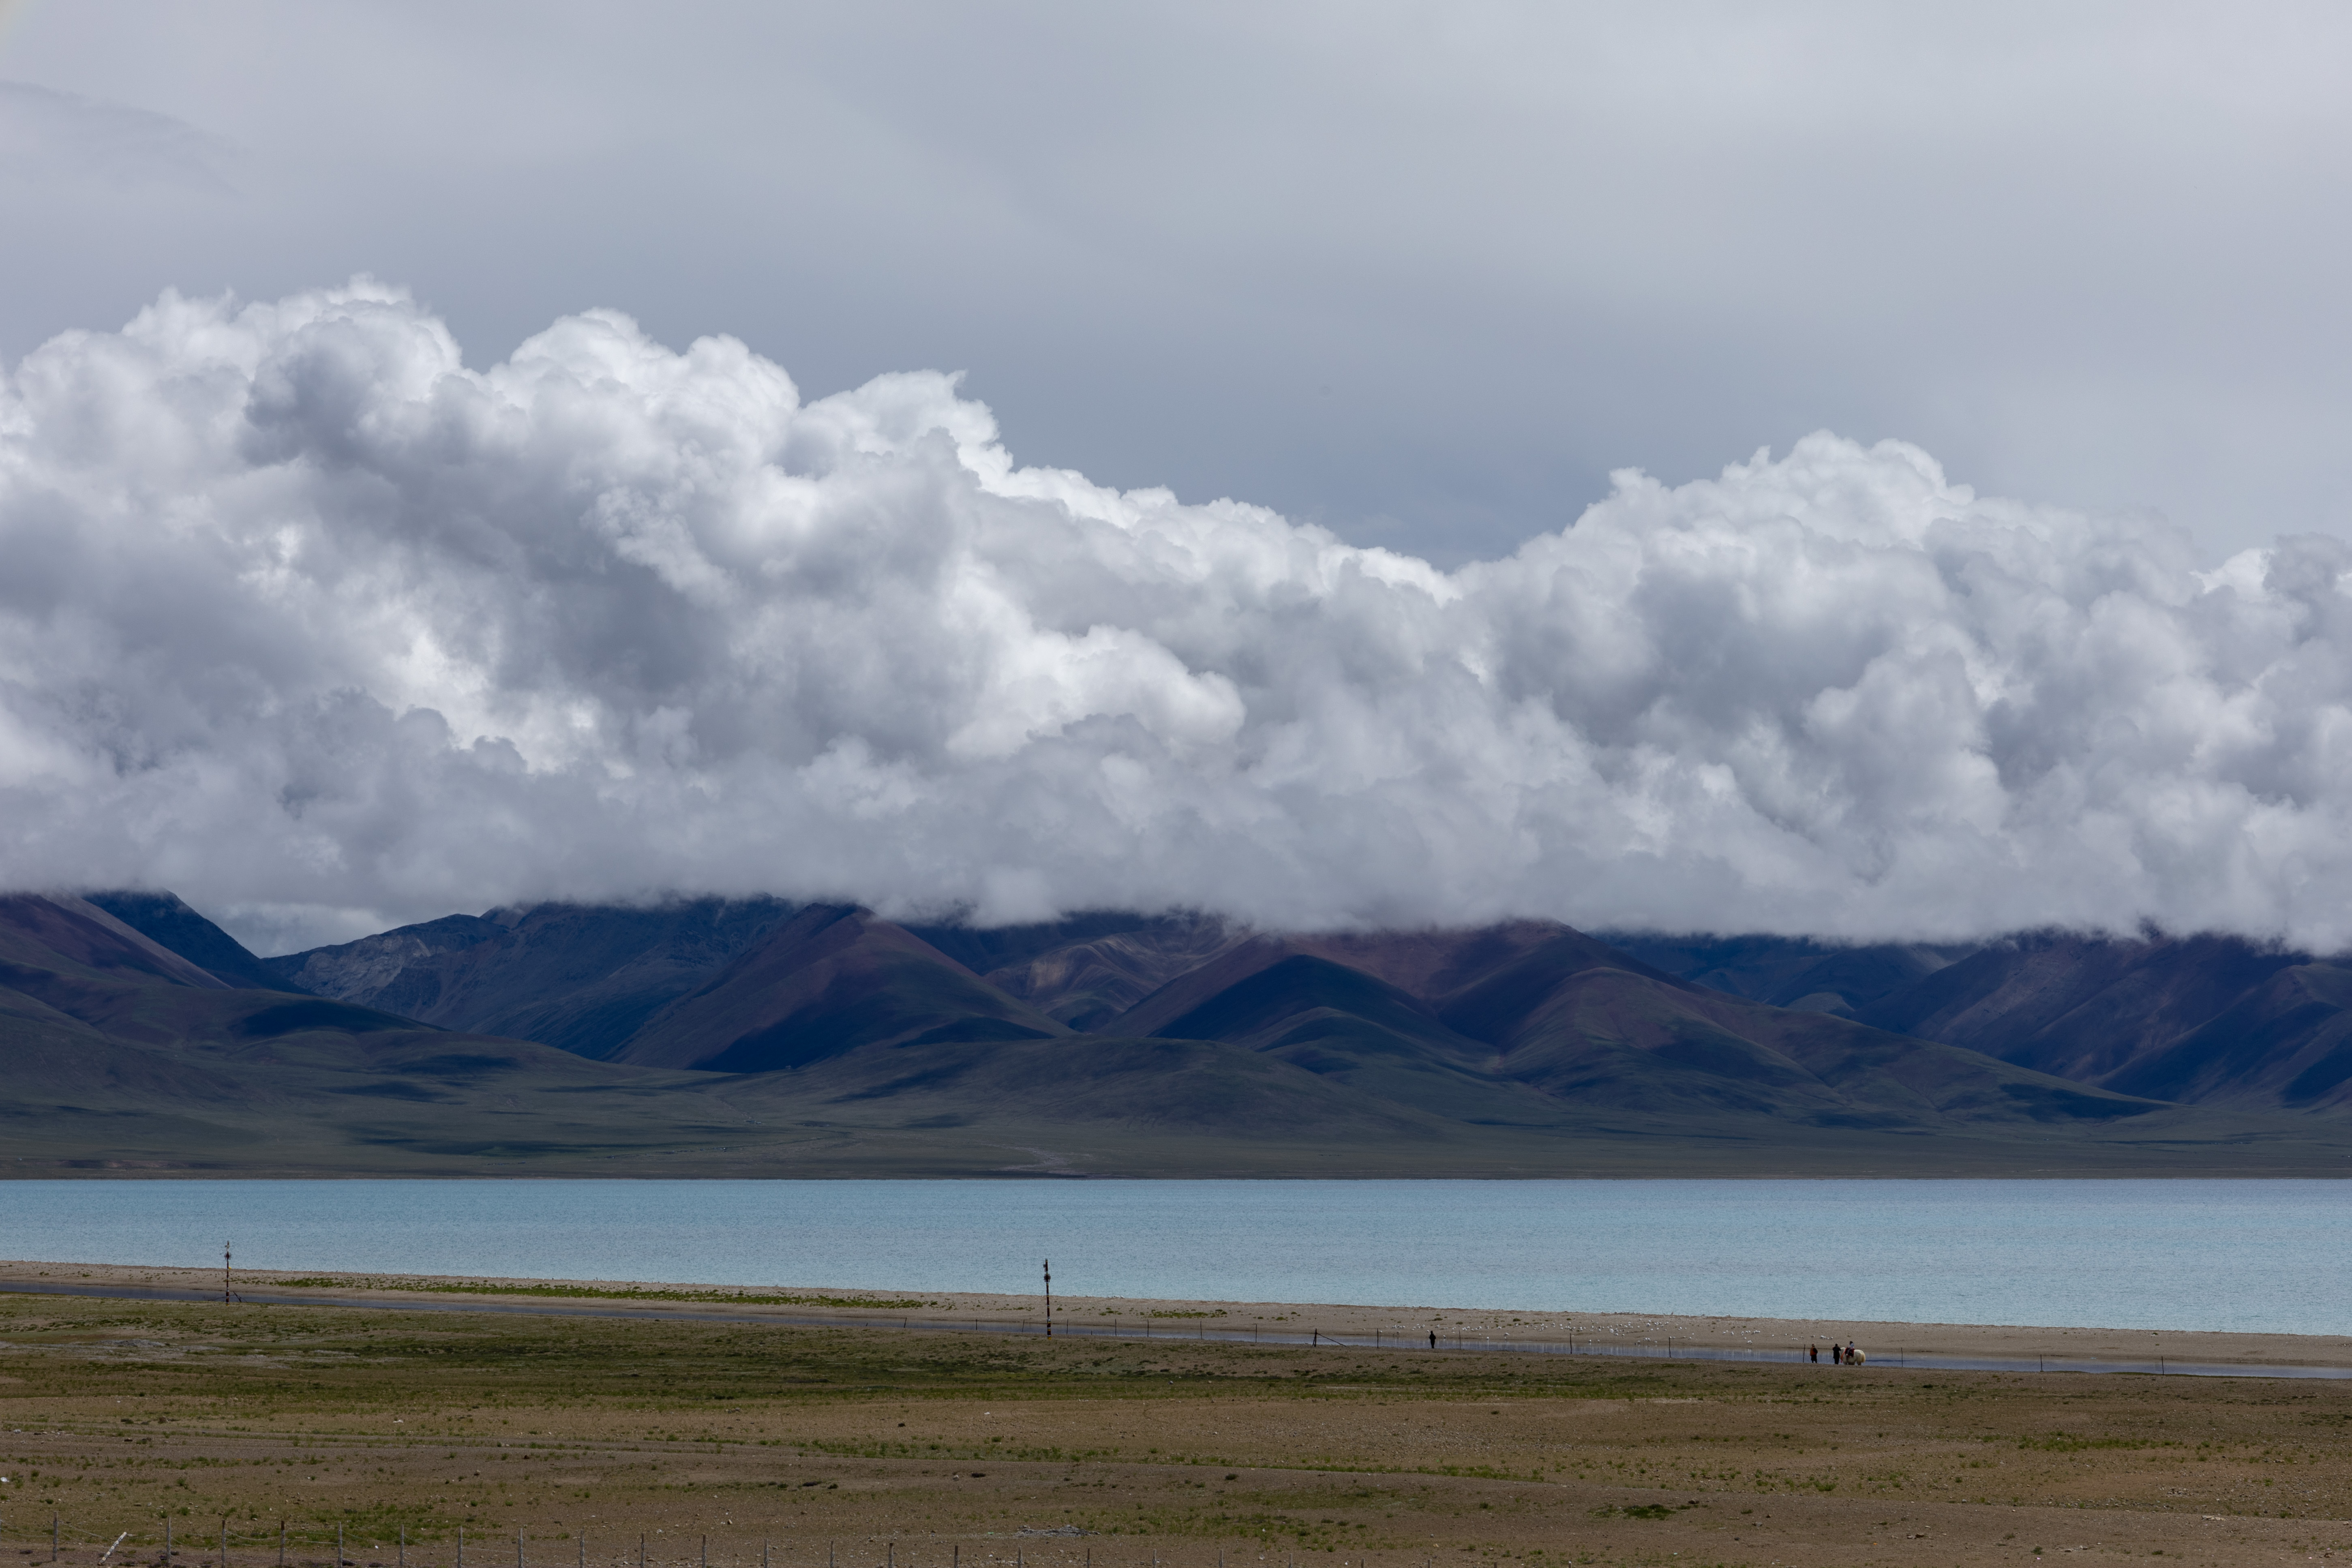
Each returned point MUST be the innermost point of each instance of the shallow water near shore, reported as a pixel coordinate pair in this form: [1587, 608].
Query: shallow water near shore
[2269, 1256]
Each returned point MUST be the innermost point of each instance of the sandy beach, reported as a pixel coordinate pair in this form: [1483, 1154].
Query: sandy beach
[1637, 1332]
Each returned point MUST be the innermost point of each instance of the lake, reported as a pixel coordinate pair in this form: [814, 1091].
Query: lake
[2248, 1256]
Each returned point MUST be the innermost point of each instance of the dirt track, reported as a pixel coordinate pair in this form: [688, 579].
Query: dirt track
[1382, 1327]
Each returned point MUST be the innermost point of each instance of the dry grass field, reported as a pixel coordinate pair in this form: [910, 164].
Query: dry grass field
[868, 1447]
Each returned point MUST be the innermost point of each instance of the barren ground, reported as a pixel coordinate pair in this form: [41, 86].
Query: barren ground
[865, 1445]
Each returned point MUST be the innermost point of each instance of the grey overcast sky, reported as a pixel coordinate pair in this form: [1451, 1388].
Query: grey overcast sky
[1423, 273]
[453, 455]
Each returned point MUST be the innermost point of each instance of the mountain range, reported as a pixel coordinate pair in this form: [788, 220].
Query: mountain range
[758, 1036]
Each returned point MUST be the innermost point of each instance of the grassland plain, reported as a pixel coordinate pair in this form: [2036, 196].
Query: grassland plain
[553, 1441]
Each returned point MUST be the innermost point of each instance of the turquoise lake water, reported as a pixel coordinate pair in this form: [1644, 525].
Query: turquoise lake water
[2257, 1256]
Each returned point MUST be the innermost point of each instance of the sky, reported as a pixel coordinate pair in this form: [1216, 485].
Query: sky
[1861, 471]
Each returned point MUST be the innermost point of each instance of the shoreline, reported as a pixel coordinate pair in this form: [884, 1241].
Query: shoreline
[1954, 1346]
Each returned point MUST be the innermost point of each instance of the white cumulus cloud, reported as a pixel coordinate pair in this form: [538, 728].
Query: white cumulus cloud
[307, 619]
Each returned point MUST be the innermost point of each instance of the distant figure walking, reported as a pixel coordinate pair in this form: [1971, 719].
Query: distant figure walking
[1837, 1356]
[1813, 1352]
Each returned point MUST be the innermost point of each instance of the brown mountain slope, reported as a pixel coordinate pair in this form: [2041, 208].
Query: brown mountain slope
[829, 980]
[2288, 1042]
[164, 920]
[583, 977]
[114, 1054]
[1424, 963]
[1531, 1021]
[2212, 1020]
[36, 930]
[1090, 975]
[1591, 1065]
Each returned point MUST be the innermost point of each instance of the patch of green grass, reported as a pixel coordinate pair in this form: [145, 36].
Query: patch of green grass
[2066, 1443]
[630, 1293]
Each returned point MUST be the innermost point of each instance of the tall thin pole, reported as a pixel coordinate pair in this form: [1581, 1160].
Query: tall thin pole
[584, 1549]
[224, 1273]
[518, 1546]
[339, 1547]
[1049, 1320]
[53, 1538]
[167, 1540]
[461, 1546]
[223, 1562]
[281, 1543]
[404, 1546]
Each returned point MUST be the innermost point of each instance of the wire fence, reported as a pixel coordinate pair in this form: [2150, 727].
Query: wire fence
[1187, 1325]
[1618, 1344]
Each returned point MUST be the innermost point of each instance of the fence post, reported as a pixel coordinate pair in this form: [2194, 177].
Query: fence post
[339, 1548]
[461, 1546]
[518, 1546]
[404, 1546]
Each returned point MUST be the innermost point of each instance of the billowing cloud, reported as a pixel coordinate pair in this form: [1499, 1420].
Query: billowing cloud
[303, 618]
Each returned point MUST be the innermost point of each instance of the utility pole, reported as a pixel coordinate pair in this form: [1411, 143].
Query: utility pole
[225, 1291]
[1049, 1298]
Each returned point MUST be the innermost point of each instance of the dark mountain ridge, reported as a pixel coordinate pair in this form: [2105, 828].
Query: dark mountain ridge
[822, 1038]
[2206, 1019]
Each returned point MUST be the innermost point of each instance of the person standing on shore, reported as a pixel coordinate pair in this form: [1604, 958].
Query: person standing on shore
[1813, 1352]
[1837, 1356]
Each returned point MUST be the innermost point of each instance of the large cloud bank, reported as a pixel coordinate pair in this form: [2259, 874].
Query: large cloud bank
[301, 617]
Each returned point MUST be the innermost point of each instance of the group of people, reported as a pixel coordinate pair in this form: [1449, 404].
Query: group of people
[1840, 1355]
